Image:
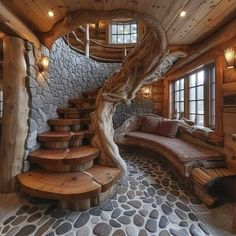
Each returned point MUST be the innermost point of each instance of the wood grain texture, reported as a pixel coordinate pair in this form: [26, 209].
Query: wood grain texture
[105, 176]
[55, 136]
[202, 19]
[219, 76]
[204, 179]
[15, 113]
[59, 185]
[17, 25]
[67, 156]
[208, 49]
[65, 160]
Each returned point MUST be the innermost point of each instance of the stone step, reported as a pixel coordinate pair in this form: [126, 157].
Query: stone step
[69, 124]
[65, 160]
[75, 113]
[64, 139]
[76, 190]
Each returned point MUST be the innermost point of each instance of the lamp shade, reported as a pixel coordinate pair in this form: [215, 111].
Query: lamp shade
[146, 91]
[44, 63]
[229, 56]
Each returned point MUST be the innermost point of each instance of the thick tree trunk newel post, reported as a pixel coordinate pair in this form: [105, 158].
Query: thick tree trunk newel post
[15, 113]
[146, 63]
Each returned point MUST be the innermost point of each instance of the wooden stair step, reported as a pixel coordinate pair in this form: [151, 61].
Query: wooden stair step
[85, 133]
[55, 136]
[69, 122]
[67, 156]
[65, 160]
[81, 100]
[59, 186]
[103, 175]
[75, 191]
[79, 137]
[91, 93]
[75, 110]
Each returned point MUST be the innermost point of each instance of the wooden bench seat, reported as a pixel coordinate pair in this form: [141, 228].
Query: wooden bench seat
[183, 155]
[197, 163]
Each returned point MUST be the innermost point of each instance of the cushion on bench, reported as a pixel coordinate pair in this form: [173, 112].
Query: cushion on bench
[150, 124]
[181, 150]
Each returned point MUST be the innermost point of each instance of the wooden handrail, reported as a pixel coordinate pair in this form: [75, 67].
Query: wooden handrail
[123, 49]
[102, 45]
[110, 46]
[77, 39]
[109, 60]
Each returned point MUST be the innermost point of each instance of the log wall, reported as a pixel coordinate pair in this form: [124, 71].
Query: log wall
[158, 96]
[226, 106]
[229, 113]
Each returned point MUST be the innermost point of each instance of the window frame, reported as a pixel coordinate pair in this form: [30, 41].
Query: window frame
[196, 100]
[130, 22]
[208, 102]
[178, 90]
[1, 101]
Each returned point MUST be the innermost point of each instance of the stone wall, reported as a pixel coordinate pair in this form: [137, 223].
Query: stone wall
[69, 75]
[138, 106]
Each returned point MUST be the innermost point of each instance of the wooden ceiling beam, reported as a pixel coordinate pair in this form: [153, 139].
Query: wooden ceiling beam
[205, 58]
[17, 26]
[209, 48]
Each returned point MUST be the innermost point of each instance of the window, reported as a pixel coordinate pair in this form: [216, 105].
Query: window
[123, 32]
[179, 96]
[212, 86]
[194, 94]
[196, 97]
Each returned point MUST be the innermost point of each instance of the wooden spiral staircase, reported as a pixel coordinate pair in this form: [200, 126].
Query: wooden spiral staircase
[65, 168]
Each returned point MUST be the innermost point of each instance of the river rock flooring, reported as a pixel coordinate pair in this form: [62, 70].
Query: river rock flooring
[148, 202]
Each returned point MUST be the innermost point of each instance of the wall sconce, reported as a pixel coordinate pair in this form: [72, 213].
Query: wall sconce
[230, 57]
[146, 91]
[43, 64]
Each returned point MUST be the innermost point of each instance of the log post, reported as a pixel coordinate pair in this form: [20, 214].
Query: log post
[219, 63]
[15, 113]
[87, 41]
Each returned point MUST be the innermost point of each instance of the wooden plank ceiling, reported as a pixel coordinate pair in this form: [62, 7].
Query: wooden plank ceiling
[203, 17]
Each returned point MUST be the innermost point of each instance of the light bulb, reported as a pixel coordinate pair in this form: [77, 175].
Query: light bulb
[182, 14]
[51, 13]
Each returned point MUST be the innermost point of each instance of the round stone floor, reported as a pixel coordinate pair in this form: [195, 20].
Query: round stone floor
[148, 202]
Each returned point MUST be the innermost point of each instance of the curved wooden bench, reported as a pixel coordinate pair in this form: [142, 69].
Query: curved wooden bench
[182, 155]
[199, 171]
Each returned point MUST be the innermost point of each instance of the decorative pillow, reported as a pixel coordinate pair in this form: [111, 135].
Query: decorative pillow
[168, 128]
[150, 124]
